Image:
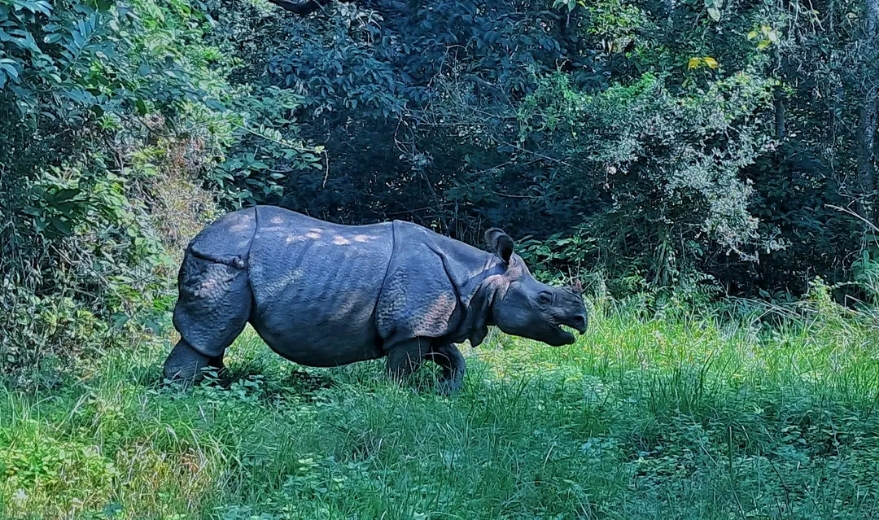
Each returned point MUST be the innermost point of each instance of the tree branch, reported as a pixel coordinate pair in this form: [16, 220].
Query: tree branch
[301, 8]
[386, 8]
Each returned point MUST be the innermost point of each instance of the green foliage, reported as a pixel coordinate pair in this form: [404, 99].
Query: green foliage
[263, 149]
[77, 249]
[100, 103]
[667, 167]
[98, 269]
[647, 131]
[400, 108]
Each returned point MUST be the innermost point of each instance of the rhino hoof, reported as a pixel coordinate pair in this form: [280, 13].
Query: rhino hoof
[185, 364]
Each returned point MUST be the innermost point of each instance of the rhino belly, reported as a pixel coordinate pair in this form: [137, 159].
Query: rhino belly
[316, 287]
[310, 338]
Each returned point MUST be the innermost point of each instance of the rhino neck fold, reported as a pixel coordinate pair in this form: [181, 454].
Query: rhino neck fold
[477, 296]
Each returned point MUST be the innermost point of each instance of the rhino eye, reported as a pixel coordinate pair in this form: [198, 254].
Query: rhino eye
[544, 298]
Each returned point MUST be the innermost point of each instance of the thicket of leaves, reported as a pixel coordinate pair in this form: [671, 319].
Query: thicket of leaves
[113, 118]
[654, 141]
[657, 143]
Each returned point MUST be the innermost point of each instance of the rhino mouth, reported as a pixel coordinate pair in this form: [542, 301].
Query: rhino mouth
[578, 323]
[567, 334]
[565, 329]
[564, 334]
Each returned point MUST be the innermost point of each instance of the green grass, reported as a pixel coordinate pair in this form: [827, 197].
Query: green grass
[678, 414]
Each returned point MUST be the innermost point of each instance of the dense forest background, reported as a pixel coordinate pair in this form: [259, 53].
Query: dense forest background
[708, 147]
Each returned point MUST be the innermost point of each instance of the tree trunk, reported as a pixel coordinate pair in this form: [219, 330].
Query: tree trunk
[868, 116]
[780, 115]
[301, 8]
[780, 131]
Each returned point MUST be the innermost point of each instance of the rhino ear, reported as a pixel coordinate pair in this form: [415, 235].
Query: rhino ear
[500, 243]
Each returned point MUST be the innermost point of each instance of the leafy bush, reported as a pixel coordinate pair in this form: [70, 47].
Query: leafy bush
[708, 124]
[110, 113]
[666, 169]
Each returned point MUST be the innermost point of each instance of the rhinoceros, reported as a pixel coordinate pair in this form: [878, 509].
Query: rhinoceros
[325, 295]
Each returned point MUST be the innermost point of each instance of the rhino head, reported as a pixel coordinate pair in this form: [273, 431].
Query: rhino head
[525, 307]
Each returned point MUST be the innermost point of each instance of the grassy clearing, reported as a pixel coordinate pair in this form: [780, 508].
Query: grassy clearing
[676, 415]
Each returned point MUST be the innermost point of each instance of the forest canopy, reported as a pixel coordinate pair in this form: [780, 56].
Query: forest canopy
[653, 141]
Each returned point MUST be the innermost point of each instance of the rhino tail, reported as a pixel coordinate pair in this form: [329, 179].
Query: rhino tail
[228, 240]
[236, 261]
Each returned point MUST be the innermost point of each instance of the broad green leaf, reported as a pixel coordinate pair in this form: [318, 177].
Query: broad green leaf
[141, 107]
[64, 227]
[8, 66]
[65, 194]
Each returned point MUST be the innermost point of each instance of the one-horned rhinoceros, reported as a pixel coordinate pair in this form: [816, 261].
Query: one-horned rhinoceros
[323, 295]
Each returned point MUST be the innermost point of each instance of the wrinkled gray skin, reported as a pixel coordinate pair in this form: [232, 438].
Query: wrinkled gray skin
[324, 295]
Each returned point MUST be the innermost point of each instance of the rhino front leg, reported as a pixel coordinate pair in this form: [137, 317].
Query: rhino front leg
[454, 367]
[406, 357]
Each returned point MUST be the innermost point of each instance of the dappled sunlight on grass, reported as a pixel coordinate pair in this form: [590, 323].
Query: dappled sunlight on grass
[686, 415]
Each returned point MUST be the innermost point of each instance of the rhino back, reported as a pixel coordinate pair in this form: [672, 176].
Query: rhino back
[316, 285]
[227, 240]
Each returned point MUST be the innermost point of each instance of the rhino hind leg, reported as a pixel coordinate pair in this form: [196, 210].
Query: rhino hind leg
[407, 357]
[454, 367]
[213, 307]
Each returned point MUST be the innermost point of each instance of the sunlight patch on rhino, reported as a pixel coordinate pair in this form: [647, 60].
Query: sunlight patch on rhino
[240, 228]
[209, 287]
[313, 235]
[339, 240]
[292, 277]
[363, 238]
[294, 238]
[348, 306]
